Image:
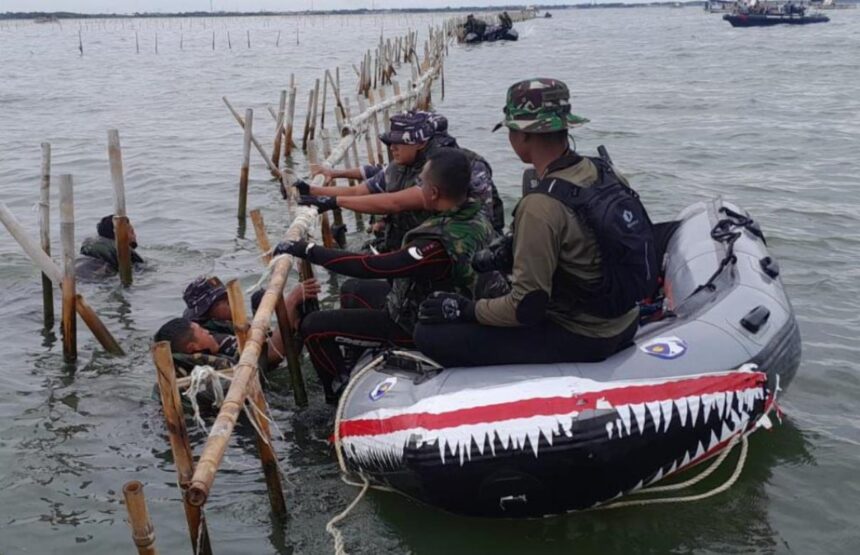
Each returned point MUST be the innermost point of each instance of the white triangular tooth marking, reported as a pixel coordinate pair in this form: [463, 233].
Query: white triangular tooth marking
[534, 440]
[480, 444]
[618, 426]
[666, 407]
[638, 486]
[694, 401]
[681, 405]
[610, 427]
[657, 477]
[720, 399]
[686, 460]
[707, 402]
[654, 409]
[730, 399]
[672, 468]
[639, 412]
[725, 433]
[624, 413]
[700, 450]
[714, 440]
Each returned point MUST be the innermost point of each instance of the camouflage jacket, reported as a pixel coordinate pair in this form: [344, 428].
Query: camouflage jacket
[99, 258]
[462, 232]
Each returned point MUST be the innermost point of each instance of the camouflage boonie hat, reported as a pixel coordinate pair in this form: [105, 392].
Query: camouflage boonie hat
[200, 295]
[409, 128]
[539, 106]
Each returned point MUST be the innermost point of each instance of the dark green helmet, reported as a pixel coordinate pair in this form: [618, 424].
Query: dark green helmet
[539, 106]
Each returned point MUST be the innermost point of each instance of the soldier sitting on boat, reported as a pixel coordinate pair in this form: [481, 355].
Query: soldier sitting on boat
[434, 255]
[581, 255]
[474, 26]
[98, 258]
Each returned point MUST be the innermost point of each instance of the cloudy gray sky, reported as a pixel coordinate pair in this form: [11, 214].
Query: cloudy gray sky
[129, 6]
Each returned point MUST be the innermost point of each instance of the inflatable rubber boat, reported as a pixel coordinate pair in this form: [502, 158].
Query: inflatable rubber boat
[493, 34]
[534, 440]
[767, 20]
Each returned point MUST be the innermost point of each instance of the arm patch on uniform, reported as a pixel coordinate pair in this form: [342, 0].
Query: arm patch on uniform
[531, 310]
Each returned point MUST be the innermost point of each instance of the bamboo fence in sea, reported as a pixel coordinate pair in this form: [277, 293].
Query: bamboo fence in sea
[379, 94]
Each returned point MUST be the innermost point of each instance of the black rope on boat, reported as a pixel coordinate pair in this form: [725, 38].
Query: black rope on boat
[728, 231]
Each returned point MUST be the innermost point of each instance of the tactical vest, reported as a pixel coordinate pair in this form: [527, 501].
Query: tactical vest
[104, 249]
[625, 241]
[462, 233]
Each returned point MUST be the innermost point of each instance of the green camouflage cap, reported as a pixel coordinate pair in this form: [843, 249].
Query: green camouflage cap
[539, 106]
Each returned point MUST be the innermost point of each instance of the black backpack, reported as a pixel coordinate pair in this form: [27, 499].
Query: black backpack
[624, 234]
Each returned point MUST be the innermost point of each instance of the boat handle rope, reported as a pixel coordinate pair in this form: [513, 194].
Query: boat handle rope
[728, 230]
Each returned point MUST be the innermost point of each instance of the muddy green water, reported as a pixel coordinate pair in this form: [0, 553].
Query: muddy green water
[688, 107]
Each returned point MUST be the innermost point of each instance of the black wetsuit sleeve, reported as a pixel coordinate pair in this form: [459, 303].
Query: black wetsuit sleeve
[419, 259]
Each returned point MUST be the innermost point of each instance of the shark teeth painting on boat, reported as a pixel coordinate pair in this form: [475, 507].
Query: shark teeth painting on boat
[470, 425]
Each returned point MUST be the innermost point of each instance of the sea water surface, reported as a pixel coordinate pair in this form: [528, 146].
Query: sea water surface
[688, 107]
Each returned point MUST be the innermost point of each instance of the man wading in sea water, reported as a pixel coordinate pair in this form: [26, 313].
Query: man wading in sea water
[581, 254]
[99, 259]
[434, 256]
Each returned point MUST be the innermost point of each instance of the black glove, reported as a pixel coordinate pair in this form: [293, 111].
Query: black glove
[303, 187]
[443, 308]
[323, 204]
[299, 249]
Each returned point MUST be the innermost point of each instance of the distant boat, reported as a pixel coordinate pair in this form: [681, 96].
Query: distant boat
[547, 15]
[767, 20]
[719, 6]
[47, 19]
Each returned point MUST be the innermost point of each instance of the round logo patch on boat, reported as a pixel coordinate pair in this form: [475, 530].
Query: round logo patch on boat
[382, 388]
[666, 348]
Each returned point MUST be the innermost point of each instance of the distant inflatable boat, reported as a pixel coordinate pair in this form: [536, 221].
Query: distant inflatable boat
[534, 440]
[493, 34]
[766, 20]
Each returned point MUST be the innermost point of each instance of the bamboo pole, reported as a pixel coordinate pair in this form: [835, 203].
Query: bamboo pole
[308, 116]
[120, 217]
[67, 237]
[312, 135]
[142, 531]
[49, 268]
[386, 118]
[325, 226]
[368, 141]
[326, 79]
[45, 233]
[246, 369]
[246, 164]
[379, 148]
[177, 433]
[262, 236]
[279, 129]
[272, 168]
[264, 436]
[288, 133]
[396, 88]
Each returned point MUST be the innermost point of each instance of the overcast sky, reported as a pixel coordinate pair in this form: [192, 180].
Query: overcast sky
[130, 6]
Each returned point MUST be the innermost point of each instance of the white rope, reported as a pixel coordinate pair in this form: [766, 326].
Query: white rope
[200, 376]
[336, 535]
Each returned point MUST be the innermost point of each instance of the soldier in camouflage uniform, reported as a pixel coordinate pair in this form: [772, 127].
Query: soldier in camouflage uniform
[549, 314]
[390, 190]
[193, 345]
[434, 256]
[98, 258]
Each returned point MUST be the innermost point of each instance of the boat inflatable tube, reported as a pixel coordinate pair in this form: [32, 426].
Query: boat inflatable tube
[542, 439]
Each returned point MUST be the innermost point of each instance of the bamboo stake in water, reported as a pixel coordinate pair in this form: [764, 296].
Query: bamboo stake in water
[279, 129]
[55, 274]
[272, 168]
[308, 115]
[372, 98]
[174, 419]
[368, 141]
[246, 164]
[120, 218]
[264, 436]
[45, 233]
[312, 134]
[326, 79]
[142, 531]
[288, 132]
[67, 237]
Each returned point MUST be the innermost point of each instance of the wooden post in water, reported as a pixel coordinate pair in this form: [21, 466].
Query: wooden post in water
[264, 436]
[136, 43]
[379, 148]
[67, 237]
[45, 233]
[276, 172]
[308, 115]
[80, 43]
[386, 118]
[325, 226]
[177, 433]
[279, 129]
[288, 132]
[312, 134]
[142, 531]
[246, 164]
[326, 79]
[55, 274]
[120, 218]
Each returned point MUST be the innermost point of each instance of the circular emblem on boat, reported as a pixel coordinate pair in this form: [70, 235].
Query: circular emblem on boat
[382, 388]
[666, 348]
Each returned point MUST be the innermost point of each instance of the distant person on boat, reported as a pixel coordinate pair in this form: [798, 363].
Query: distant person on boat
[506, 21]
[98, 258]
[435, 255]
[412, 138]
[475, 26]
[580, 256]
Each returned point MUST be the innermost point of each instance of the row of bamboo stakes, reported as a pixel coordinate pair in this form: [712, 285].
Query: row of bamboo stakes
[73, 303]
[374, 103]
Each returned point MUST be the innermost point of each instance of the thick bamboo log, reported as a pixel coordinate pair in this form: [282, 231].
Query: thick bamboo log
[142, 531]
[120, 220]
[325, 226]
[45, 234]
[49, 268]
[368, 140]
[272, 168]
[279, 129]
[264, 437]
[67, 238]
[246, 166]
[262, 236]
[177, 433]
